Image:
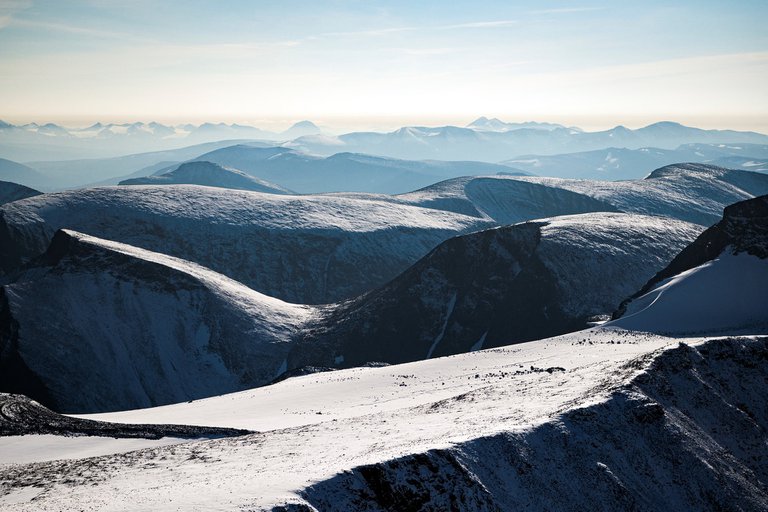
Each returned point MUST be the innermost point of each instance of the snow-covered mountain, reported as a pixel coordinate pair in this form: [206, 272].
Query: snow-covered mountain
[621, 163]
[301, 129]
[13, 192]
[54, 142]
[743, 163]
[107, 342]
[454, 143]
[99, 325]
[497, 125]
[211, 175]
[314, 249]
[691, 192]
[497, 287]
[729, 259]
[615, 417]
[307, 249]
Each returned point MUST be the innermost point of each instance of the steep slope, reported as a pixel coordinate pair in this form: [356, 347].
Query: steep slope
[496, 287]
[730, 257]
[687, 433]
[99, 325]
[305, 249]
[13, 192]
[211, 175]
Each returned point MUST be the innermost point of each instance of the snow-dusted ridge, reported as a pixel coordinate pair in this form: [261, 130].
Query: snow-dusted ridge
[504, 285]
[100, 325]
[309, 249]
[607, 417]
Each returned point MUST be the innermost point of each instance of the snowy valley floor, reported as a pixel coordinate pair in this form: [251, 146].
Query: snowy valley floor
[464, 431]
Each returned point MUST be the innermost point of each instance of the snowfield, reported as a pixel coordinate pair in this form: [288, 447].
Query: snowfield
[680, 305]
[314, 428]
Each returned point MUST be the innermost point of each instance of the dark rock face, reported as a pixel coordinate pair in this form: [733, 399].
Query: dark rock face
[491, 288]
[744, 228]
[467, 288]
[21, 416]
[689, 433]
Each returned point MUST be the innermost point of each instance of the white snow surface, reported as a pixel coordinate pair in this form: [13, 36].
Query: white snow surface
[683, 304]
[46, 447]
[316, 426]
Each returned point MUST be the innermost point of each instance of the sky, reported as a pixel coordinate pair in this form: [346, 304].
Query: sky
[381, 64]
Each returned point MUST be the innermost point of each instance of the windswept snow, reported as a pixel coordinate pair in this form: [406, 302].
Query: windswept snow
[317, 426]
[308, 249]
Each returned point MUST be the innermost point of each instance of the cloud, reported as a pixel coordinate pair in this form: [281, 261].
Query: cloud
[480, 24]
[427, 51]
[566, 10]
[74, 29]
[392, 30]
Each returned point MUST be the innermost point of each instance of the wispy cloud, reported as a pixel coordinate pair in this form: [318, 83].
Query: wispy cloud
[75, 29]
[426, 51]
[392, 30]
[480, 24]
[373, 32]
[566, 10]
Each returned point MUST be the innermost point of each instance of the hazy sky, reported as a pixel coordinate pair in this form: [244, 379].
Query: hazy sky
[381, 64]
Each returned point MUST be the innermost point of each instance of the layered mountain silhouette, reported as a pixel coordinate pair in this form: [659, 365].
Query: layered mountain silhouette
[211, 175]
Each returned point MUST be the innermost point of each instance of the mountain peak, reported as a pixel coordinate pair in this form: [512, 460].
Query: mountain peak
[304, 124]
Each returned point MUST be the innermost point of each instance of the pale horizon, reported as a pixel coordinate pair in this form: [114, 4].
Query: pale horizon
[378, 66]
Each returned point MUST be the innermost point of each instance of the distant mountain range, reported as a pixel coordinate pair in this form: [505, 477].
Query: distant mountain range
[494, 145]
[616, 163]
[487, 140]
[342, 172]
[54, 142]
